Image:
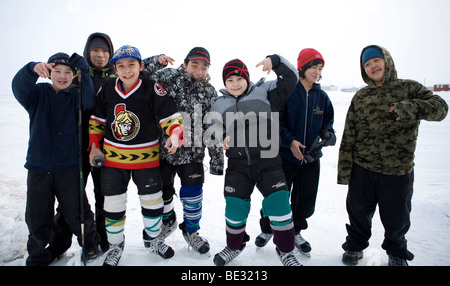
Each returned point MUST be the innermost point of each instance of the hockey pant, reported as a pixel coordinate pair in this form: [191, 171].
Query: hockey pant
[275, 206]
[114, 187]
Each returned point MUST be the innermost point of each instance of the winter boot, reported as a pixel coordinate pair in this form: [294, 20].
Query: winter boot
[156, 245]
[228, 254]
[262, 239]
[195, 241]
[396, 261]
[302, 244]
[351, 257]
[113, 255]
[288, 259]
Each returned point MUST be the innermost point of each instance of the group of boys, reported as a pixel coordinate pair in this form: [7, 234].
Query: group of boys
[142, 124]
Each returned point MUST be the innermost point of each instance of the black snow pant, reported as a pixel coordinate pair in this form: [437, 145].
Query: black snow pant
[303, 182]
[41, 192]
[61, 236]
[393, 196]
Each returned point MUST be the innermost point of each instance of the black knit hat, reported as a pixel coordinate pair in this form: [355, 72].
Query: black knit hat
[98, 42]
[198, 53]
[235, 67]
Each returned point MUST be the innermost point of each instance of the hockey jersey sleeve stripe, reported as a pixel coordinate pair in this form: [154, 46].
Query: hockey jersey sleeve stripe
[96, 130]
[169, 123]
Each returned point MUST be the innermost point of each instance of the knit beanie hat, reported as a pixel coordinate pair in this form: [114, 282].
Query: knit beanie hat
[308, 55]
[198, 53]
[235, 67]
[371, 52]
[98, 42]
[126, 52]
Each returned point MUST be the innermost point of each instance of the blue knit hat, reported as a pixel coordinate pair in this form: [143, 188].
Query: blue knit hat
[371, 52]
[126, 52]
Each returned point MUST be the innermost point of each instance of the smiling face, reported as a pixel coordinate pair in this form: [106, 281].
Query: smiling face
[236, 85]
[61, 76]
[196, 68]
[314, 73]
[375, 69]
[128, 70]
[99, 57]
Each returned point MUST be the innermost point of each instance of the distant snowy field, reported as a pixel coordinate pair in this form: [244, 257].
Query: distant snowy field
[428, 237]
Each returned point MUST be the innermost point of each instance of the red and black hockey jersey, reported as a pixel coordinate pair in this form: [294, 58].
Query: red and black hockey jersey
[128, 123]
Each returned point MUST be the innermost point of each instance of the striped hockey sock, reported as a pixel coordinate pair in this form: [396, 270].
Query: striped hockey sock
[152, 207]
[191, 197]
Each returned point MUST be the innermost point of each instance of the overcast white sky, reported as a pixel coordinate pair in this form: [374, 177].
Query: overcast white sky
[416, 32]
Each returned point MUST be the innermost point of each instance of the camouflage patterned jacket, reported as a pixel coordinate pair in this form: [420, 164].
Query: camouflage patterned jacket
[193, 99]
[373, 138]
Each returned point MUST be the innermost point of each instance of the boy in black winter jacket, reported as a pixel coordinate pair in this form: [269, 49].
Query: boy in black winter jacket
[246, 117]
[52, 158]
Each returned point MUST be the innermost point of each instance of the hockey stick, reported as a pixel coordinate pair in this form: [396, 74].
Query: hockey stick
[80, 164]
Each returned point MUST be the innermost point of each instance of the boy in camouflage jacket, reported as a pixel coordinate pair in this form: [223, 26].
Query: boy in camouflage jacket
[377, 152]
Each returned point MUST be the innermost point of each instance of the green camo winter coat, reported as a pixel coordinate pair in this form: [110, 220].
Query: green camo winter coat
[373, 138]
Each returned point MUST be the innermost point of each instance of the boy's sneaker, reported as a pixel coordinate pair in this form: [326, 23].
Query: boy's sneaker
[302, 244]
[157, 245]
[351, 257]
[167, 229]
[113, 255]
[262, 239]
[195, 241]
[228, 254]
[396, 261]
[288, 259]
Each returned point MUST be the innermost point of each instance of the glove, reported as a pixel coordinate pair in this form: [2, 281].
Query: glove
[328, 137]
[79, 63]
[312, 153]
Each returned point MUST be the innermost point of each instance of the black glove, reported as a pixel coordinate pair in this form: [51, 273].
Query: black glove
[79, 63]
[328, 137]
[312, 153]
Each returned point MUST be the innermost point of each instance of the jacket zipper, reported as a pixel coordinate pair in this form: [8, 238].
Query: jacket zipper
[243, 134]
[306, 121]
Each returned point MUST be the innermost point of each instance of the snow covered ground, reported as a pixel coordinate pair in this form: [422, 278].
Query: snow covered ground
[427, 238]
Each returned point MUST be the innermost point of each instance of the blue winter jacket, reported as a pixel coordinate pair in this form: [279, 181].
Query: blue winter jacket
[53, 138]
[303, 117]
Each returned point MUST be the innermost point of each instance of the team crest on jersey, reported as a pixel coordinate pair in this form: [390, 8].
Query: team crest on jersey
[126, 124]
[160, 90]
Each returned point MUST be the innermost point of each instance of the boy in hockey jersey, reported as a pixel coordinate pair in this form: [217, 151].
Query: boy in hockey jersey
[191, 90]
[129, 110]
[242, 115]
[53, 157]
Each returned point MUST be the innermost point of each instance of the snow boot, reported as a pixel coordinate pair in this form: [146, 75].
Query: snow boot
[396, 261]
[288, 259]
[156, 245]
[195, 241]
[113, 255]
[302, 244]
[228, 254]
[262, 239]
[351, 257]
